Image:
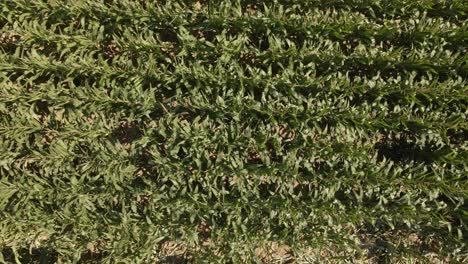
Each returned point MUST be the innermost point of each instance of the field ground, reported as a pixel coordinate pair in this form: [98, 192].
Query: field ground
[281, 131]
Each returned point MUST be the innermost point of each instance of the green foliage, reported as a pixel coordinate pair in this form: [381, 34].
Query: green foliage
[233, 131]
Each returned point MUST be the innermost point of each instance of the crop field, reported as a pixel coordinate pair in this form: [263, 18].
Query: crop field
[280, 131]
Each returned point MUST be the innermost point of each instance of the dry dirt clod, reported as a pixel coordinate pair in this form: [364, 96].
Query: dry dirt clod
[174, 104]
[414, 238]
[273, 252]
[204, 229]
[111, 49]
[9, 38]
[254, 157]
